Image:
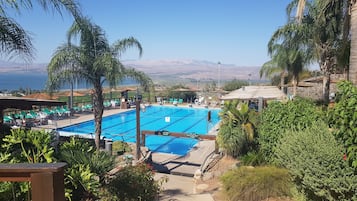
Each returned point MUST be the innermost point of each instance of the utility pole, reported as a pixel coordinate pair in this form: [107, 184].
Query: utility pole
[138, 141]
[219, 75]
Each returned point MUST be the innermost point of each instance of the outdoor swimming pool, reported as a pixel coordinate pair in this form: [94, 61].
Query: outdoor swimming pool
[122, 126]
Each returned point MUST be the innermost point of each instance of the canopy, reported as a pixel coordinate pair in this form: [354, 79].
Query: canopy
[255, 92]
[26, 103]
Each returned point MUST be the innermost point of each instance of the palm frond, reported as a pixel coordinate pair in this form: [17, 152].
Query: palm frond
[14, 40]
[121, 46]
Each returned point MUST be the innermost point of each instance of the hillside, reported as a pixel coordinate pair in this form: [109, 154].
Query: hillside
[169, 70]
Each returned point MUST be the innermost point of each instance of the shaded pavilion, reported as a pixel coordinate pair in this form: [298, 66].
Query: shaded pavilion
[259, 94]
[7, 102]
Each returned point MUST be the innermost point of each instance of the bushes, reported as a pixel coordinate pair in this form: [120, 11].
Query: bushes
[234, 84]
[23, 146]
[343, 118]
[86, 168]
[237, 133]
[134, 183]
[120, 147]
[256, 184]
[315, 160]
[232, 140]
[278, 117]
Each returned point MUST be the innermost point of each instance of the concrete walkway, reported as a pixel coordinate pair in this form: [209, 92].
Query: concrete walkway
[180, 188]
[78, 118]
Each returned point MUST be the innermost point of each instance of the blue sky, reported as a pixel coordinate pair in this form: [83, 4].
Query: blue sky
[229, 31]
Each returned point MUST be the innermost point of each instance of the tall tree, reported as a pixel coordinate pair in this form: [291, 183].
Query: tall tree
[323, 22]
[271, 68]
[353, 54]
[93, 61]
[14, 40]
[288, 51]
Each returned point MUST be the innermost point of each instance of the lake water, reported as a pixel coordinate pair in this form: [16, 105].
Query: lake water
[36, 81]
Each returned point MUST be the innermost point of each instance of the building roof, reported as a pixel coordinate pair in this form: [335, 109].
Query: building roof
[26, 103]
[255, 92]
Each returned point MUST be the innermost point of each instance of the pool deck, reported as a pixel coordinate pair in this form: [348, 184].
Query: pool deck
[180, 169]
[167, 163]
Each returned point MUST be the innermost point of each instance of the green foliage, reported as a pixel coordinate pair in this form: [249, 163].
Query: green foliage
[86, 167]
[298, 114]
[14, 190]
[237, 130]
[343, 119]
[29, 146]
[232, 140]
[256, 184]
[134, 183]
[24, 146]
[80, 151]
[234, 84]
[81, 183]
[315, 161]
[253, 158]
[177, 92]
[121, 147]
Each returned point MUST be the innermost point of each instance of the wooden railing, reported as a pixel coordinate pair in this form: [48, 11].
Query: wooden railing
[47, 179]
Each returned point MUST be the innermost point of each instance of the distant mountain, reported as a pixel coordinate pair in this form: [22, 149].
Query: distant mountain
[13, 67]
[194, 70]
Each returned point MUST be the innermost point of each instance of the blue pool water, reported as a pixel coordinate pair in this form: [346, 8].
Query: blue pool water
[122, 127]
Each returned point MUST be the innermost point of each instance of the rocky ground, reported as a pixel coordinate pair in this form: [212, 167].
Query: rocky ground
[210, 182]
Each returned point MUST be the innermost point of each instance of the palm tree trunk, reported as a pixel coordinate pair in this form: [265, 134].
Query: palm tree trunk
[98, 111]
[282, 77]
[294, 82]
[353, 54]
[326, 80]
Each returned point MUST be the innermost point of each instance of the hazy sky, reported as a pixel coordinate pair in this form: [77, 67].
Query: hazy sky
[229, 31]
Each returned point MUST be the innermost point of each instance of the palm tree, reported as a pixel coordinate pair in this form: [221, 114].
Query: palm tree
[353, 54]
[93, 61]
[14, 40]
[238, 128]
[323, 22]
[287, 53]
[271, 68]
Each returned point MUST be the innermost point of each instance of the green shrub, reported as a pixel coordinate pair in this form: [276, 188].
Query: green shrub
[86, 168]
[234, 84]
[24, 146]
[134, 183]
[232, 140]
[315, 160]
[256, 184]
[253, 158]
[343, 118]
[298, 114]
[120, 147]
[28, 146]
[237, 133]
